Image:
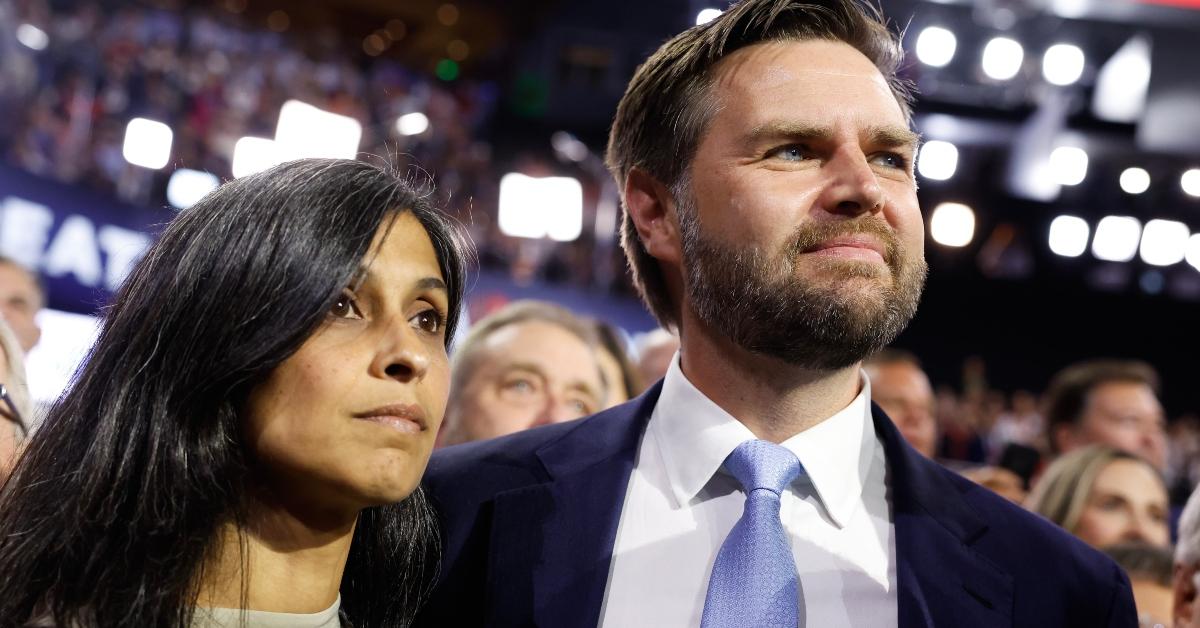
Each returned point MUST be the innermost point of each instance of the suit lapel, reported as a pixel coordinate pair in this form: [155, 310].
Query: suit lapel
[941, 580]
[551, 543]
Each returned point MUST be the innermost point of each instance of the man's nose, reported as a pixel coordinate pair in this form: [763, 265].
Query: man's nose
[852, 188]
[555, 409]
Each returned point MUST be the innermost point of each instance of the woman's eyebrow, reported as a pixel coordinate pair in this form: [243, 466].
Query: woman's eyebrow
[432, 283]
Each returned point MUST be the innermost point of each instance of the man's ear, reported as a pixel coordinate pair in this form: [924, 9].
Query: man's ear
[651, 206]
[1184, 595]
[1063, 436]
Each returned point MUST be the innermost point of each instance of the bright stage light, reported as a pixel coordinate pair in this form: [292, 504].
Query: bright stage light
[707, 15]
[1164, 242]
[1117, 238]
[937, 160]
[1135, 180]
[952, 224]
[568, 147]
[1190, 182]
[936, 46]
[1069, 165]
[306, 131]
[414, 123]
[1193, 251]
[55, 359]
[32, 37]
[255, 154]
[147, 143]
[1063, 64]
[1002, 58]
[1122, 83]
[185, 187]
[1069, 236]
[537, 207]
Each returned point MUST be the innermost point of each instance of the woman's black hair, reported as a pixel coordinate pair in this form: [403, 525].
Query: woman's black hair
[114, 508]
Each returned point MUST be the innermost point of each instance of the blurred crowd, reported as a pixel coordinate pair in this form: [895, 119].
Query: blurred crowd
[213, 79]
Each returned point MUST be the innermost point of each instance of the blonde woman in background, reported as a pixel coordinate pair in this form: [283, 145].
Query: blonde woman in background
[15, 407]
[1104, 496]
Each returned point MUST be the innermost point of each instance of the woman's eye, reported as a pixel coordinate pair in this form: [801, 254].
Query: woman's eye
[428, 321]
[345, 307]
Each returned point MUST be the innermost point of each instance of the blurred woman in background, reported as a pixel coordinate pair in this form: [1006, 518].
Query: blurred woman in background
[1150, 570]
[1104, 496]
[247, 436]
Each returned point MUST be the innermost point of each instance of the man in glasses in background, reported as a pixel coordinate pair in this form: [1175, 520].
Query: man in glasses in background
[14, 397]
[21, 298]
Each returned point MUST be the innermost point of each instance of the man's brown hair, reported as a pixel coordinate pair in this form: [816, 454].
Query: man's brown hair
[668, 103]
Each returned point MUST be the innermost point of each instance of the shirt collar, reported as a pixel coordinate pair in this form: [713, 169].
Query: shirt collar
[695, 436]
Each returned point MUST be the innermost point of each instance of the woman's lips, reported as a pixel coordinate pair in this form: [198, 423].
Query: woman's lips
[406, 418]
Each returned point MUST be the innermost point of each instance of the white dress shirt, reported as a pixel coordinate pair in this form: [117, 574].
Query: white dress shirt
[681, 504]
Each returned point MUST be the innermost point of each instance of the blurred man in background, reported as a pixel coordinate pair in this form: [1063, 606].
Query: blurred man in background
[1187, 565]
[530, 363]
[21, 298]
[15, 407]
[904, 393]
[654, 352]
[1111, 402]
[620, 374]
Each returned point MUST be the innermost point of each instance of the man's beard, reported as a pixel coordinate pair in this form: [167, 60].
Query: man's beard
[825, 317]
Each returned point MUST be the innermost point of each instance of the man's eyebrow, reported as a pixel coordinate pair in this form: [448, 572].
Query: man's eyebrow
[793, 131]
[527, 367]
[888, 136]
[587, 388]
[894, 137]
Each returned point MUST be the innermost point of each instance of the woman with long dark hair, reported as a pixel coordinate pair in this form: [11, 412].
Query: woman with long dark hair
[247, 436]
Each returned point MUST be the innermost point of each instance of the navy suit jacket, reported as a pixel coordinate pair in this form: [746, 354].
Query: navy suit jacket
[529, 522]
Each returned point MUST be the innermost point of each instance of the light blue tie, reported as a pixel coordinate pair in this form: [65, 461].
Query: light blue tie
[754, 580]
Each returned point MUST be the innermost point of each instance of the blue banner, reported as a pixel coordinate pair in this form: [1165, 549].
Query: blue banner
[82, 243]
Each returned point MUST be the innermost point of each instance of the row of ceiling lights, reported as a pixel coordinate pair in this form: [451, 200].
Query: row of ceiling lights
[1062, 63]
[1068, 165]
[1116, 238]
[303, 131]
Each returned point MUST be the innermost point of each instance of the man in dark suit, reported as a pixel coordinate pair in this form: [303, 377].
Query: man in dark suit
[765, 162]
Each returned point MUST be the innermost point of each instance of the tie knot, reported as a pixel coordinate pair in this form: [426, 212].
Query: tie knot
[762, 464]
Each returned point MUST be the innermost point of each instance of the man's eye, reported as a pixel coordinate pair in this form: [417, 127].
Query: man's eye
[581, 406]
[522, 386]
[345, 307]
[893, 160]
[428, 321]
[793, 152]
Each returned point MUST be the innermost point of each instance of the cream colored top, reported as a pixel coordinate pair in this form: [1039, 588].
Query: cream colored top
[237, 618]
